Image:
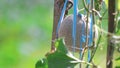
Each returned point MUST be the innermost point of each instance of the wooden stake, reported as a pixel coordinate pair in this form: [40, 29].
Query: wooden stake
[111, 28]
[58, 4]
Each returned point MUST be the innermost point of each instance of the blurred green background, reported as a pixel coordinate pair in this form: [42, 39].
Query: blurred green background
[25, 32]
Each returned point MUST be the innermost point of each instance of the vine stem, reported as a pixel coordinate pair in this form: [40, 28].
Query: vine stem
[84, 62]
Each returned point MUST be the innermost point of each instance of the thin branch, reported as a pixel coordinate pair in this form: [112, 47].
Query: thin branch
[85, 6]
[97, 12]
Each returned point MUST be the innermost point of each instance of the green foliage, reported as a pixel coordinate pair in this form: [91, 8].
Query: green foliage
[59, 44]
[42, 63]
[117, 67]
[118, 59]
[61, 58]
[25, 26]
[98, 5]
[118, 27]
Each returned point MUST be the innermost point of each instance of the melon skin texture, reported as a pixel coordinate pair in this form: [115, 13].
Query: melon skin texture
[65, 31]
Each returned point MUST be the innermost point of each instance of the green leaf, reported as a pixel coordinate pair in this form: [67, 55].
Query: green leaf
[117, 59]
[61, 58]
[98, 5]
[117, 67]
[59, 44]
[118, 26]
[42, 63]
[118, 23]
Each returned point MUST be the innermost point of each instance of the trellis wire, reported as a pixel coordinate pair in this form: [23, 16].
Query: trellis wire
[61, 17]
[90, 33]
[75, 13]
[74, 23]
[82, 39]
